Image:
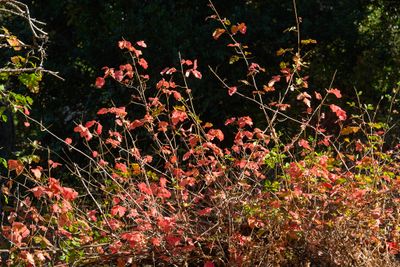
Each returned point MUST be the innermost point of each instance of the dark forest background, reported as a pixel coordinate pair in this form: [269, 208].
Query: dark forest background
[357, 38]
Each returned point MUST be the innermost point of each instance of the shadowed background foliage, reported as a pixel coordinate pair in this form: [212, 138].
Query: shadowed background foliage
[358, 38]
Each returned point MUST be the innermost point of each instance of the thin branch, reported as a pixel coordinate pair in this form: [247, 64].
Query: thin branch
[24, 70]
[297, 27]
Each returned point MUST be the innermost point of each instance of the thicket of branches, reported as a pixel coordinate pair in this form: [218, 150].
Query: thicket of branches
[313, 183]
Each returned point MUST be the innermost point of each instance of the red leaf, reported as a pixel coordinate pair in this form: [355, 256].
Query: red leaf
[178, 116]
[155, 241]
[242, 28]
[135, 124]
[119, 112]
[142, 62]
[54, 186]
[38, 191]
[173, 240]
[215, 133]
[196, 74]
[186, 62]
[115, 247]
[89, 124]
[83, 131]
[118, 210]
[327, 185]
[173, 159]
[335, 91]
[232, 90]
[163, 182]
[168, 71]
[243, 121]
[102, 111]
[15, 165]
[294, 170]
[166, 224]
[141, 43]
[26, 111]
[68, 140]
[54, 164]
[99, 128]
[177, 95]
[69, 193]
[137, 52]
[100, 82]
[162, 126]
[305, 97]
[340, 113]
[92, 215]
[134, 238]
[19, 232]
[230, 121]
[37, 172]
[209, 264]
[393, 247]
[204, 212]
[127, 67]
[144, 188]
[114, 224]
[187, 155]
[121, 167]
[64, 232]
[118, 75]
[304, 143]
[124, 44]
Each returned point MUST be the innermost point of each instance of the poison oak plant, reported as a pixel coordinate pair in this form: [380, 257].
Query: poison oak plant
[160, 187]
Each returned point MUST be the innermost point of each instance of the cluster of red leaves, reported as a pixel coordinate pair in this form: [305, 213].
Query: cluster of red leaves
[28, 224]
[125, 72]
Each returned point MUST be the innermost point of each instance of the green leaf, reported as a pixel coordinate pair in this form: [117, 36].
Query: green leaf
[31, 81]
[29, 100]
[3, 162]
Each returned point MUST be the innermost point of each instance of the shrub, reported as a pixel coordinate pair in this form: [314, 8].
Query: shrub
[313, 186]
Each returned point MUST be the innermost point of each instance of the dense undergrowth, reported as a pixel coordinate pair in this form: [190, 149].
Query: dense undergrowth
[316, 184]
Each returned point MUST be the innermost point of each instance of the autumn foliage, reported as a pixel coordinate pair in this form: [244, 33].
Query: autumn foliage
[160, 186]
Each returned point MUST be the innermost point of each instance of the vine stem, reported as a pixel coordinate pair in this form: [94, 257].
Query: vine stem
[297, 26]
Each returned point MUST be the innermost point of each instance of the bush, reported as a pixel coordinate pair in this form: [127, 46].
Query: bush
[312, 186]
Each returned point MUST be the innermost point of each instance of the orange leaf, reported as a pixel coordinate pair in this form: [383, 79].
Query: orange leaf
[15, 165]
[217, 33]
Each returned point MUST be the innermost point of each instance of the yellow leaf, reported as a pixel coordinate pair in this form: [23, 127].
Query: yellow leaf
[227, 22]
[280, 52]
[135, 168]
[14, 42]
[308, 41]
[208, 125]
[349, 130]
[233, 59]
[180, 108]
[282, 65]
